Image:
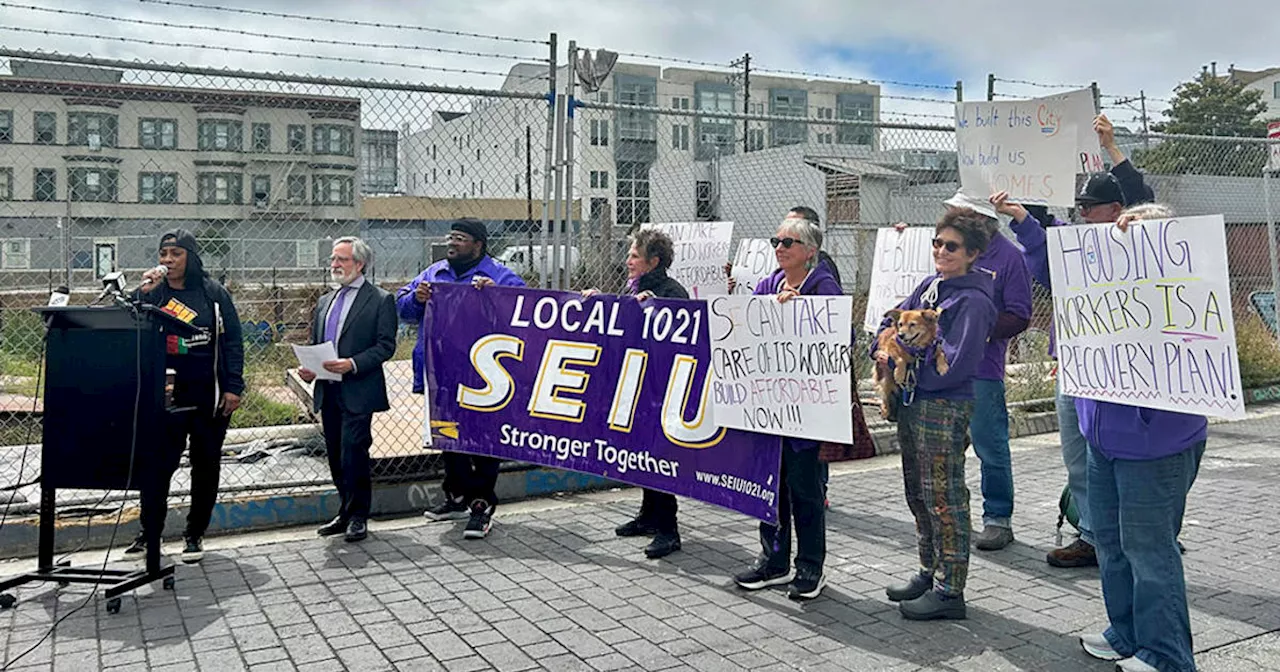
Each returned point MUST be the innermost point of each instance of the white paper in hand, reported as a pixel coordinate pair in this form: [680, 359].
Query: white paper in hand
[313, 357]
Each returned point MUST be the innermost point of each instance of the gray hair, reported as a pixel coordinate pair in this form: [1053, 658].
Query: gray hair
[1149, 211]
[803, 230]
[360, 250]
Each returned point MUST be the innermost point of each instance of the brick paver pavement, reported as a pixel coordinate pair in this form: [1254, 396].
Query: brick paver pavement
[552, 588]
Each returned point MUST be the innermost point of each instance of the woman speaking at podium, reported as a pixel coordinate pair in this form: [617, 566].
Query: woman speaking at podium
[209, 374]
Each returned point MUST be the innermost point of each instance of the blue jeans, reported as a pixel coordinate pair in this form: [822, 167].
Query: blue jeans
[1137, 508]
[1075, 455]
[989, 431]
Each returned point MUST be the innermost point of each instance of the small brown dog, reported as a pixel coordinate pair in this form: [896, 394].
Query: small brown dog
[917, 329]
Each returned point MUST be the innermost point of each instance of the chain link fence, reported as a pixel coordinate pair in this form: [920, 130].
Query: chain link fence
[266, 170]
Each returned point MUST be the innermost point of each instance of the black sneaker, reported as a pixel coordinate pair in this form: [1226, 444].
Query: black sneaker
[139, 545]
[193, 552]
[635, 528]
[919, 584]
[449, 509]
[480, 522]
[807, 585]
[762, 576]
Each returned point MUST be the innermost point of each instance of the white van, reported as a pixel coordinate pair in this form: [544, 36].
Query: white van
[518, 259]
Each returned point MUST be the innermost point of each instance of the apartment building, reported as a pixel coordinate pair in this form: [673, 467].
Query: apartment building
[1267, 81]
[93, 169]
[478, 150]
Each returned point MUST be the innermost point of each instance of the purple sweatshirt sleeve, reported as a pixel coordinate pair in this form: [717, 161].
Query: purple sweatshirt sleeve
[407, 305]
[510, 279]
[1035, 245]
[1016, 295]
[966, 335]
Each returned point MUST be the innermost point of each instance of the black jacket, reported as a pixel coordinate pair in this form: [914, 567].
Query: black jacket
[662, 285]
[369, 339]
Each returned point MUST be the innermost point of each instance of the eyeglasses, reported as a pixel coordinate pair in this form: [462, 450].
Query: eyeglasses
[785, 242]
[459, 238]
[951, 245]
[339, 259]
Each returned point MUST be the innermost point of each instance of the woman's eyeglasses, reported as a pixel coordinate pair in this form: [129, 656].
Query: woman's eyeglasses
[951, 245]
[785, 242]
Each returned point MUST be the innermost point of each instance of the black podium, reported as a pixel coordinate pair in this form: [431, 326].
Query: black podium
[106, 423]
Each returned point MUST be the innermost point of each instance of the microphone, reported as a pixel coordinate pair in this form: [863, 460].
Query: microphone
[112, 283]
[60, 296]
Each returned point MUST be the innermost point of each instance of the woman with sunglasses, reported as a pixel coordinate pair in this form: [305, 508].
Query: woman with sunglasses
[800, 492]
[933, 421]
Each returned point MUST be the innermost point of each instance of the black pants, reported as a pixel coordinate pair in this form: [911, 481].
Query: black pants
[800, 498]
[470, 477]
[347, 439]
[202, 431]
[659, 510]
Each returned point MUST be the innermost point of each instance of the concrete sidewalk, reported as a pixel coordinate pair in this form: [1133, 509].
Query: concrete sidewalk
[552, 588]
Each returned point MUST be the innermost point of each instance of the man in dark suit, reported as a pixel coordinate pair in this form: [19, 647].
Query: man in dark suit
[361, 320]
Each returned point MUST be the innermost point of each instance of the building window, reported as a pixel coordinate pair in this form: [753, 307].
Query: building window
[331, 139]
[433, 176]
[703, 210]
[6, 184]
[261, 190]
[157, 187]
[92, 184]
[755, 139]
[715, 135]
[297, 189]
[824, 139]
[92, 129]
[297, 139]
[261, 137]
[679, 102]
[788, 103]
[638, 126]
[826, 113]
[632, 192]
[379, 153]
[220, 135]
[855, 107]
[15, 254]
[46, 128]
[6, 125]
[158, 133]
[680, 136]
[602, 96]
[599, 179]
[331, 190]
[600, 132]
[45, 185]
[220, 188]
[756, 108]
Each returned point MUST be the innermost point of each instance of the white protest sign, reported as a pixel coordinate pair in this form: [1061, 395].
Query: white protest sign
[1075, 108]
[783, 368]
[702, 248]
[754, 262]
[1018, 146]
[1144, 318]
[902, 261]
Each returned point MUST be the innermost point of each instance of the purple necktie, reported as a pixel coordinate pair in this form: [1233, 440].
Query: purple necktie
[335, 313]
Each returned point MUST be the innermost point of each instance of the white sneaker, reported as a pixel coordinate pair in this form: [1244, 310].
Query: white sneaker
[1134, 664]
[1097, 646]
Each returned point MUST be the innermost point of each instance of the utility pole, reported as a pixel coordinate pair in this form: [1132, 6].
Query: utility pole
[1142, 101]
[991, 86]
[745, 62]
[959, 91]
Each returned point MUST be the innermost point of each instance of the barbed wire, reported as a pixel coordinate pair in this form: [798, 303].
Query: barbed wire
[1041, 85]
[347, 22]
[273, 36]
[918, 99]
[860, 80]
[258, 52]
[687, 61]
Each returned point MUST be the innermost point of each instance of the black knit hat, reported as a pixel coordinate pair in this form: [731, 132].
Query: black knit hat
[472, 227]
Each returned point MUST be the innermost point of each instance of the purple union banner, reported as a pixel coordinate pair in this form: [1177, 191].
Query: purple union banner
[603, 386]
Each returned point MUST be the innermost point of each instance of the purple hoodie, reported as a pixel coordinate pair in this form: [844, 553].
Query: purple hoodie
[411, 311]
[1012, 296]
[968, 314]
[819, 282]
[1120, 432]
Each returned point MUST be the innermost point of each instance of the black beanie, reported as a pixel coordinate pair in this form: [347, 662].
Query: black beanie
[472, 227]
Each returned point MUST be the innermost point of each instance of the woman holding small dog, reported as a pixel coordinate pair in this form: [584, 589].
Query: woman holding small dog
[933, 417]
[801, 492]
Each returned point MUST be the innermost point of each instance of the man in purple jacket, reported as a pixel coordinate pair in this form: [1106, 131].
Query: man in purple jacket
[469, 480]
[989, 426]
